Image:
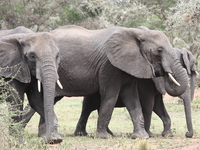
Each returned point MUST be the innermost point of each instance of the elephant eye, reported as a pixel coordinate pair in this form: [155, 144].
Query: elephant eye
[160, 50]
[142, 40]
[57, 57]
[31, 57]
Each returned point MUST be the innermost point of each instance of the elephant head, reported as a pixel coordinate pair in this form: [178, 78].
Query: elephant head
[131, 49]
[32, 55]
[188, 62]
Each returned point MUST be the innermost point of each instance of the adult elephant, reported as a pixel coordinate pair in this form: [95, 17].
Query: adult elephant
[27, 58]
[109, 62]
[151, 97]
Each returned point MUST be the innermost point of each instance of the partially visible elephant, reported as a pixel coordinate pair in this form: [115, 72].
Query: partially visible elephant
[155, 91]
[109, 62]
[151, 98]
[16, 30]
[26, 59]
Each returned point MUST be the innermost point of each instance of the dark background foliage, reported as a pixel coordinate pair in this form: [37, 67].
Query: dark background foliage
[179, 19]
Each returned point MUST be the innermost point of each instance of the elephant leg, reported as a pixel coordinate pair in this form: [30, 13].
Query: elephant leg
[109, 92]
[108, 130]
[160, 110]
[90, 103]
[147, 92]
[130, 97]
[42, 127]
[36, 102]
[105, 113]
[147, 102]
[27, 114]
[15, 101]
[15, 110]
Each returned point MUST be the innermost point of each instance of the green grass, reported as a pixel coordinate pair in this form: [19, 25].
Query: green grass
[68, 111]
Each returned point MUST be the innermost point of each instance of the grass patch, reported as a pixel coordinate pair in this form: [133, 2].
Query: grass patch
[197, 100]
[68, 111]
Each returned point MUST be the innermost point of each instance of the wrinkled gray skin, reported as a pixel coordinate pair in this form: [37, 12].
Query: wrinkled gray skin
[26, 57]
[109, 62]
[151, 98]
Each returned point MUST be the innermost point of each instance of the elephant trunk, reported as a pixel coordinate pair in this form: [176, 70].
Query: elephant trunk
[49, 78]
[192, 84]
[180, 75]
[187, 97]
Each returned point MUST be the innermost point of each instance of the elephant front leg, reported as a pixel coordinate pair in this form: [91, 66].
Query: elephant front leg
[130, 98]
[105, 113]
[27, 114]
[36, 102]
[15, 126]
[42, 129]
[108, 101]
[15, 101]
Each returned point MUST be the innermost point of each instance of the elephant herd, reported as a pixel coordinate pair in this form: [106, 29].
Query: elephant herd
[113, 67]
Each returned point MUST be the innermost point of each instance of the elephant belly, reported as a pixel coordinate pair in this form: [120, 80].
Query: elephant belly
[78, 86]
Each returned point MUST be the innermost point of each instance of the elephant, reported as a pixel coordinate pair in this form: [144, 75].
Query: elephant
[109, 62]
[26, 59]
[151, 93]
[20, 29]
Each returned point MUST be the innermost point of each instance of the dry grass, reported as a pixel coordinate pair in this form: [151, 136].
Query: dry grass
[68, 111]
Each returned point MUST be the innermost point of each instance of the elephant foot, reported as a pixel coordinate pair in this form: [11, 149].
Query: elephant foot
[53, 140]
[189, 134]
[103, 135]
[150, 134]
[80, 133]
[140, 134]
[110, 132]
[167, 133]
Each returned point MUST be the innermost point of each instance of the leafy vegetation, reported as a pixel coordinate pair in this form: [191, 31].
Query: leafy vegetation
[179, 19]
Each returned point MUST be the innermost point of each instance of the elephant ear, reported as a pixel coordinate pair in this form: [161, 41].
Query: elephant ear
[12, 62]
[188, 60]
[123, 51]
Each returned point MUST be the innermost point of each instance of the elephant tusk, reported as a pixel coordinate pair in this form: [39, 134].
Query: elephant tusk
[196, 73]
[172, 78]
[39, 86]
[59, 84]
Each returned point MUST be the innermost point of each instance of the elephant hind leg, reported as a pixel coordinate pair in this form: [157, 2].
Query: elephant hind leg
[90, 103]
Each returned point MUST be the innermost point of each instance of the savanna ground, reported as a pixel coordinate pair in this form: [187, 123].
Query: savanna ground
[68, 111]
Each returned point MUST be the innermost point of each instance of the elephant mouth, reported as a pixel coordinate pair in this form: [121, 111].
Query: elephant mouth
[159, 71]
[39, 85]
[173, 79]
